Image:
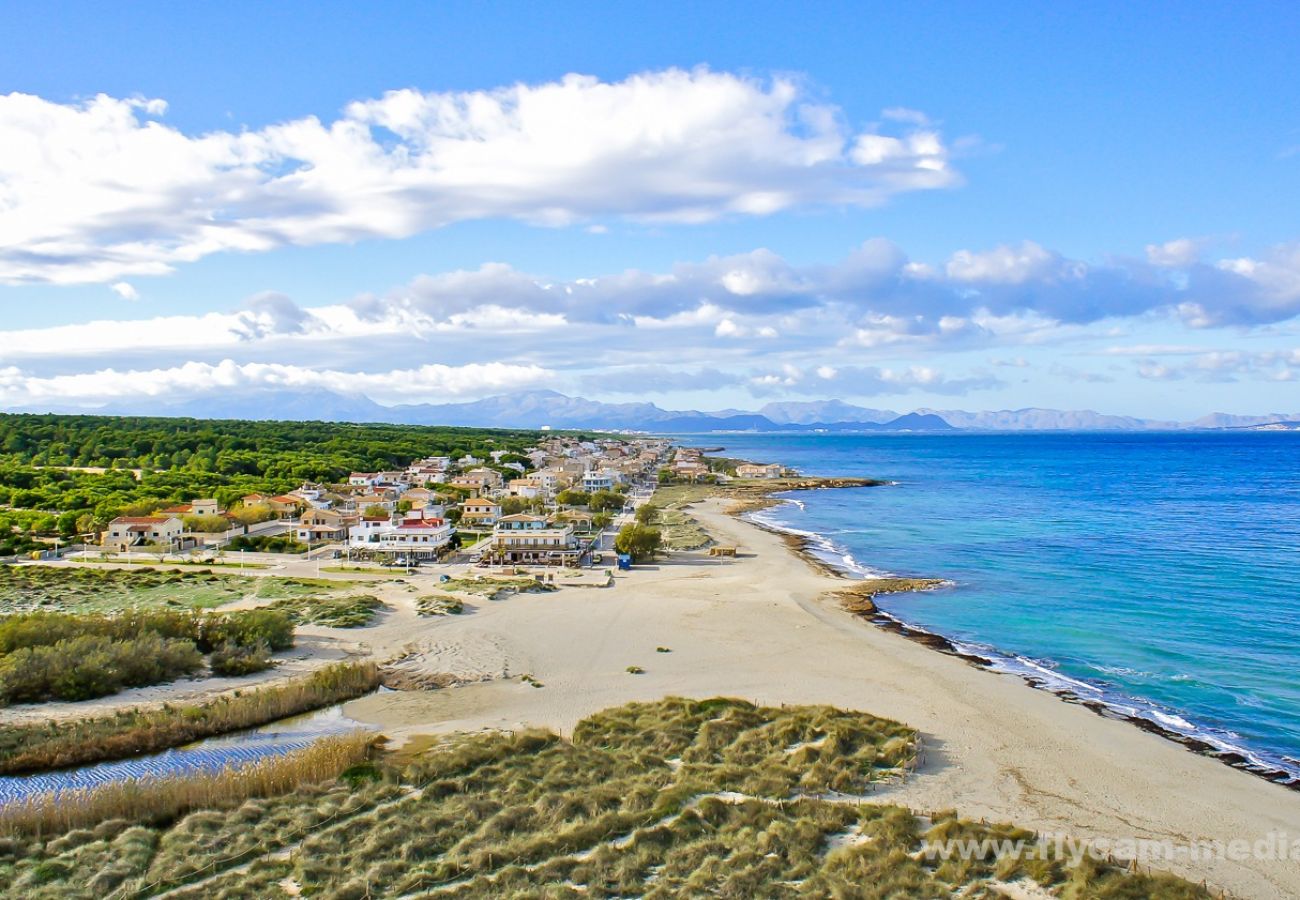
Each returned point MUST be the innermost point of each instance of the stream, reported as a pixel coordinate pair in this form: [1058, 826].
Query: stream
[207, 755]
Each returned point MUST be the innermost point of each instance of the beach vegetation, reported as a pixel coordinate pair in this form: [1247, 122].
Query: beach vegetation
[91, 588]
[64, 656]
[354, 611]
[439, 605]
[672, 798]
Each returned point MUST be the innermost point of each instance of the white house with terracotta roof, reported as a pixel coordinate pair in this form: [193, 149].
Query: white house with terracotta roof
[134, 531]
[479, 511]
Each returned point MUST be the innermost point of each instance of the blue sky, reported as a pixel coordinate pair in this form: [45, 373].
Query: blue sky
[903, 205]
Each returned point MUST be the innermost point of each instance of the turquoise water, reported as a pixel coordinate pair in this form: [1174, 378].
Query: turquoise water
[1157, 573]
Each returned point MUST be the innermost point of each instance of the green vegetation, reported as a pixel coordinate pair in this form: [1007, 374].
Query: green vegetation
[262, 543]
[62, 656]
[635, 670]
[641, 542]
[181, 459]
[29, 588]
[55, 744]
[335, 612]
[681, 531]
[439, 605]
[655, 800]
[602, 501]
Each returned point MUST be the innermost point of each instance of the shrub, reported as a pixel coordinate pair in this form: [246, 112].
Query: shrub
[232, 659]
[93, 666]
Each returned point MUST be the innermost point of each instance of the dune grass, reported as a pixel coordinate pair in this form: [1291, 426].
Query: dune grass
[496, 588]
[28, 588]
[54, 744]
[356, 611]
[654, 800]
[439, 605]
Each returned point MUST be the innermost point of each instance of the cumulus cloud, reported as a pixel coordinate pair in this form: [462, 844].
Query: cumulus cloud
[103, 189]
[193, 379]
[124, 290]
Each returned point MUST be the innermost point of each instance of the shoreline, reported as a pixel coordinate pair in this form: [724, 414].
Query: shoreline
[805, 546]
[765, 627]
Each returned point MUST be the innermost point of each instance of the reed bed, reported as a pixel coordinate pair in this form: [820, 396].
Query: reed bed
[54, 745]
[153, 800]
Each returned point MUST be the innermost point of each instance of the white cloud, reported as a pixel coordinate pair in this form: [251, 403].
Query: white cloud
[100, 190]
[1178, 253]
[1222, 365]
[866, 381]
[124, 290]
[194, 379]
[737, 308]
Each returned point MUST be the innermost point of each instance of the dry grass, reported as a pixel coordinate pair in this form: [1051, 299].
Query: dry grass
[654, 800]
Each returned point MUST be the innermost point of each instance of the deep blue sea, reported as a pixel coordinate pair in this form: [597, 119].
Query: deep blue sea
[1157, 573]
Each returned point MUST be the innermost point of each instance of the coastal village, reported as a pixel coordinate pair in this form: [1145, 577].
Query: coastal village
[557, 504]
[319, 648]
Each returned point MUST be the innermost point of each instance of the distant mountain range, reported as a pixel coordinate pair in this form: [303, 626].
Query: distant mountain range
[536, 409]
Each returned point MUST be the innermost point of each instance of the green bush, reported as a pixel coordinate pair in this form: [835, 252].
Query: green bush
[232, 659]
[90, 666]
[62, 656]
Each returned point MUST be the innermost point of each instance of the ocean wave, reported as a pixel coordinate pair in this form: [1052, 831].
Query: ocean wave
[1045, 675]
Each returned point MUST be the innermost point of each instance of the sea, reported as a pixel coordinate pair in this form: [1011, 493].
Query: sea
[1156, 575]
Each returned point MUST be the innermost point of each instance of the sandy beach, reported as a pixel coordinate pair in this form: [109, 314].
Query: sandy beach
[761, 628]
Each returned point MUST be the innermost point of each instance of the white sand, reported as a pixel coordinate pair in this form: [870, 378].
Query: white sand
[758, 628]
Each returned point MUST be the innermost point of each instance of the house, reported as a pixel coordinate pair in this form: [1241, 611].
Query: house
[753, 470]
[598, 481]
[323, 525]
[207, 507]
[416, 539]
[581, 520]
[368, 529]
[551, 480]
[524, 538]
[364, 479]
[479, 511]
[489, 478]
[133, 531]
[528, 488]
[418, 498]
[363, 502]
